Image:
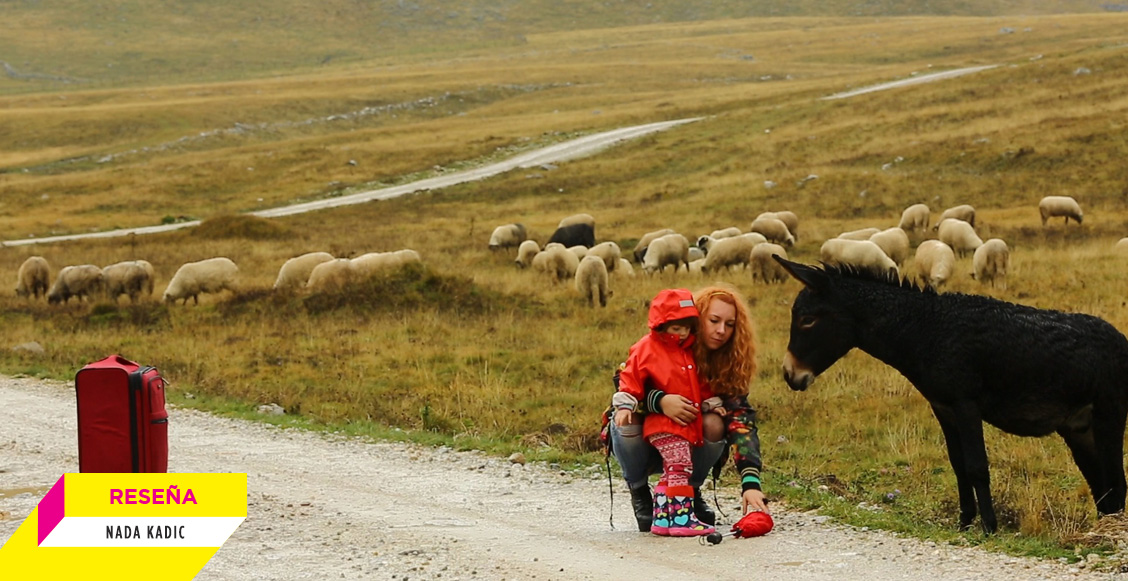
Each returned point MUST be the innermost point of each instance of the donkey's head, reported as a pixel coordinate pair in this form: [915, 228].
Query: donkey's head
[822, 331]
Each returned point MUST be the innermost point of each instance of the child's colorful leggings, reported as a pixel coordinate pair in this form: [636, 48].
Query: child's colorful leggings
[677, 463]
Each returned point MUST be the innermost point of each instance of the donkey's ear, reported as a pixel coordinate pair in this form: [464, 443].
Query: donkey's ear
[813, 278]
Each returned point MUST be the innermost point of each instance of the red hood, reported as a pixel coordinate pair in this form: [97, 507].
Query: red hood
[671, 305]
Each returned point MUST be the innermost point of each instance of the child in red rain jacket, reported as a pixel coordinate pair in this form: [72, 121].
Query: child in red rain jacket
[663, 360]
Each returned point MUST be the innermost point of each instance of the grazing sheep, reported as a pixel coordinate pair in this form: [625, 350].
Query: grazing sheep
[574, 235]
[704, 243]
[774, 230]
[557, 262]
[152, 279]
[1063, 206]
[991, 262]
[1121, 245]
[859, 254]
[577, 219]
[787, 217]
[725, 233]
[125, 278]
[329, 275]
[591, 280]
[915, 218]
[624, 268]
[959, 235]
[507, 236]
[862, 234]
[295, 271]
[668, 250]
[696, 253]
[525, 253]
[728, 252]
[764, 268]
[34, 277]
[935, 262]
[964, 212]
[76, 281]
[894, 242]
[372, 262]
[211, 275]
[640, 248]
[694, 267]
[609, 252]
[579, 251]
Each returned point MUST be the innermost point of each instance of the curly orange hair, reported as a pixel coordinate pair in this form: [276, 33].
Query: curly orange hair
[729, 369]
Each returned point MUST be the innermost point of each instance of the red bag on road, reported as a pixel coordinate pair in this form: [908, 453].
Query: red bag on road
[122, 421]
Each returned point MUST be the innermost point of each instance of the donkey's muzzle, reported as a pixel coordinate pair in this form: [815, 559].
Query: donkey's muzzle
[797, 376]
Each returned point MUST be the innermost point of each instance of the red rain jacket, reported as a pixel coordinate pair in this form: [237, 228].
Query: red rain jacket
[658, 358]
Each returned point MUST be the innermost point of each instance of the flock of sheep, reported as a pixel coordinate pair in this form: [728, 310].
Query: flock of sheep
[572, 253]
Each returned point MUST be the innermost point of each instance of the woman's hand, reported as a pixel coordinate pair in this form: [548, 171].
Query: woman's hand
[678, 408]
[624, 417]
[754, 500]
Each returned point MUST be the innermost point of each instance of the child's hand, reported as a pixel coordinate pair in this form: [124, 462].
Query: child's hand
[623, 417]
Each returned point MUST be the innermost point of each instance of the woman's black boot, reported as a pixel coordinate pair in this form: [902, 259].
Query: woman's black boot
[702, 510]
[643, 504]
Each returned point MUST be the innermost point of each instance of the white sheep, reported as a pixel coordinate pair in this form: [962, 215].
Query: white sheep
[859, 254]
[295, 271]
[210, 275]
[125, 278]
[151, 280]
[729, 252]
[640, 249]
[963, 212]
[578, 219]
[507, 236]
[525, 253]
[76, 281]
[861, 234]
[915, 218]
[774, 230]
[959, 235]
[330, 275]
[991, 262]
[704, 243]
[1063, 206]
[764, 267]
[557, 262]
[725, 233]
[1121, 246]
[696, 253]
[624, 268]
[34, 277]
[668, 250]
[579, 251]
[591, 280]
[787, 217]
[609, 252]
[935, 262]
[373, 262]
[894, 242]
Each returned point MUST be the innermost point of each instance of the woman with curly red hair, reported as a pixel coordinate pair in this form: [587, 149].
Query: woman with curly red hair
[725, 355]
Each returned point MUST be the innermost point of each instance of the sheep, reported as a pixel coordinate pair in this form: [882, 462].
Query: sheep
[774, 230]
[935, 262]
[525, 253]
[706, 242]
[787, 217]
[151, 280]
[624, 268]
[507, 236]
[991, 262]
[964, 212]
[671, 249]
[591, 280]
[1121, 246]
[1064, 206]
[894, 242]
[75, 281]
[33, 277]
[211, 275]
[372, 262]
[574, 235]
[295, 271]
[959, 235]
[696, 253]
[577, 219]
[860, 254]
[725, 233]
[640, 248]
[330, 275]
[609, 252]
[765, 268]
[862, 234]
[915, 218]
[125, 278]
[728, 252]
[579, 251]
[557, 262]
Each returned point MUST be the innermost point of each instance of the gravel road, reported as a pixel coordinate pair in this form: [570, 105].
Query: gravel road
[328, 507]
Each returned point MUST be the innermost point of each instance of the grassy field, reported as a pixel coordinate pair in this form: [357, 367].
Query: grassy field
[472, 351]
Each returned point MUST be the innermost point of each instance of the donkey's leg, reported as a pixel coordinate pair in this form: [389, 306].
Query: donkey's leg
[961, 451]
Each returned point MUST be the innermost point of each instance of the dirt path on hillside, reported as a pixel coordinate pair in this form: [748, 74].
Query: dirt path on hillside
[324, 507]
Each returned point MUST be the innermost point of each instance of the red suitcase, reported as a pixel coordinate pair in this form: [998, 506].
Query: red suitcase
[122, 421]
